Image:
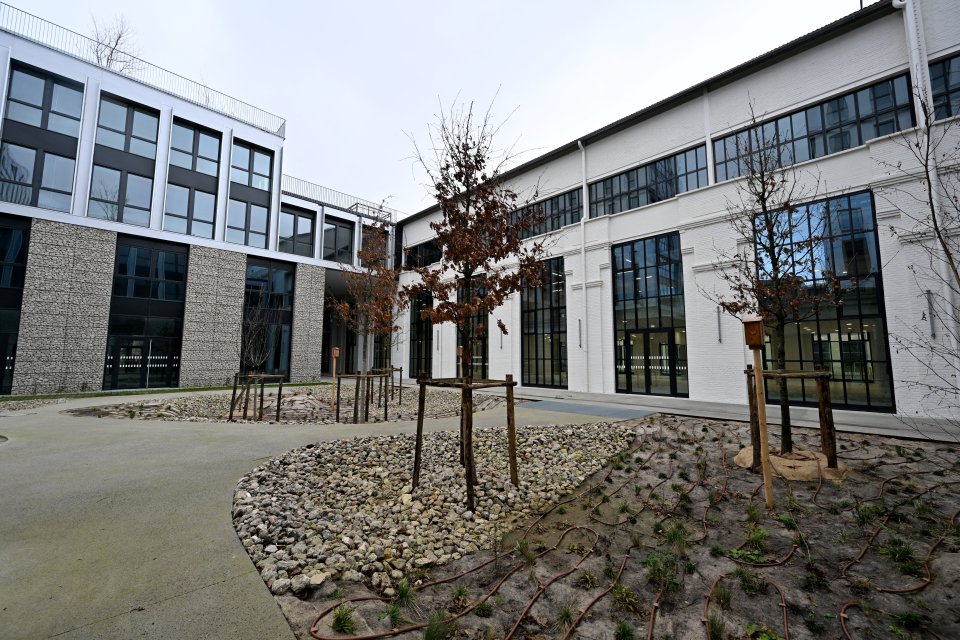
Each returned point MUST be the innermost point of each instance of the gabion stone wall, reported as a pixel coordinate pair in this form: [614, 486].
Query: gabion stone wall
[306, 358]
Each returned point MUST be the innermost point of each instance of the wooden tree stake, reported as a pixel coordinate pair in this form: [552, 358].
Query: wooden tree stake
[762, 418]
[512, 434]
[828, 433]
[756, 467]
[419, 444]
[469, 470]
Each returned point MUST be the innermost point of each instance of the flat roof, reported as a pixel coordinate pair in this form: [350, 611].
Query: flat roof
[823, 34]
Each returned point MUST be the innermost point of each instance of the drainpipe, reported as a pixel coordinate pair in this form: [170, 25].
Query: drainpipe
[584, 205]
[920, 67]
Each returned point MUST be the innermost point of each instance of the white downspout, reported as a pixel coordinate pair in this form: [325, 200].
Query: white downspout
[585, 206]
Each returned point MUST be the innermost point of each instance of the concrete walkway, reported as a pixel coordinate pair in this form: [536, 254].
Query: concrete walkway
[122, 528]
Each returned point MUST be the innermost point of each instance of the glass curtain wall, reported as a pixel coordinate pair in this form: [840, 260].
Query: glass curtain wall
[14, 243]
[268, 316]
[649, 318]
[146, 315]
[421, 337]
[543, 329]
[849, 340]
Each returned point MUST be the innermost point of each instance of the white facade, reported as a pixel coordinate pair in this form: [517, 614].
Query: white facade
[877, 43]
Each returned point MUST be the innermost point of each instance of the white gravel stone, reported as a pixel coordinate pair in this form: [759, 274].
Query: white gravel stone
[347, 508]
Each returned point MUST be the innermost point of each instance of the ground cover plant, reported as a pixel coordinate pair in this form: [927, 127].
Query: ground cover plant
[671, 540]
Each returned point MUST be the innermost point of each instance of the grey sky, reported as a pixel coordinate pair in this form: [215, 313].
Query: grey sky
[352, 77]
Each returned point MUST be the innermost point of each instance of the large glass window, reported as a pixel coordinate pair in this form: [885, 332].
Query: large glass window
[337, 240]
[543, 329]
[268, 316]
[296, 232]
[421, 337]
[189, 211]
[247, 224]
[945, 82]
[821, 129]
[41, 100]
[120, 196]
[558, 211]
[653, 182]
[128, 128]
[480, 330]
[194, 149]
[649, 317]
[251, 166]
[14, 242]
[423, 254]
[849, 340]
[146, 315]
[34, 177]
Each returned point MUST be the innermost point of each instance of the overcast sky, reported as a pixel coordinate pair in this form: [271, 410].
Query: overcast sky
[354, 78]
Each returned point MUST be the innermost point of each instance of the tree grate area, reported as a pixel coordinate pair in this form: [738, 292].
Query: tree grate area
[671, 540]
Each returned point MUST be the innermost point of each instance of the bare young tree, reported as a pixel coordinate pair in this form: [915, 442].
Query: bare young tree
[481, 235]
[372, 304]
[112, 45]
[926, 193]
[776, 271]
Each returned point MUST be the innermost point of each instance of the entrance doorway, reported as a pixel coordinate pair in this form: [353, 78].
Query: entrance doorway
[142, 363]
[657, 362]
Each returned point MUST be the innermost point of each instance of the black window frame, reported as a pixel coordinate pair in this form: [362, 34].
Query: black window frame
[191, 211]
[132, 108]
[252, 150]
[649, 183]
[294, 244]
[421, 336]
[347, 227]
[46, 107]
[818, 132]
[246, 229]
[36, 184]
[540, 307]
[423, 254]
[13, 268]
[194, 151]
[281, 302]
[121, 201]
[945, 98]
[558, 211]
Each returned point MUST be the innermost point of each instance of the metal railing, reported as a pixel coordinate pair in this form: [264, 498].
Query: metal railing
[53, 36]
[322, 195]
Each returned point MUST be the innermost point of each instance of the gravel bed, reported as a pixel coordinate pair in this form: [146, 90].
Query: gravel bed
[24, 405]
[298, 405]
[345, 510]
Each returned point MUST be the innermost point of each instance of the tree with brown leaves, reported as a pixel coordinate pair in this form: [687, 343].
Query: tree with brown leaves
[481, 234]
[776, 271]
[372, 303]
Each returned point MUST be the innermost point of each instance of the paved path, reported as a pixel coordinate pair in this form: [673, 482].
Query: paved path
[121, 528]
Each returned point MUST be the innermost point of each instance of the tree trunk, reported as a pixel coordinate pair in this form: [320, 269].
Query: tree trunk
[780, 362]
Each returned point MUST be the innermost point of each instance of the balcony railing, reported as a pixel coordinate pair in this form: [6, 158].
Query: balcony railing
[53, 36]
[322, 195]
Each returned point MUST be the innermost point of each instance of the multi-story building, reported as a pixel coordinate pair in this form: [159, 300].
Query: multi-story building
[636, 217]
[141, 216]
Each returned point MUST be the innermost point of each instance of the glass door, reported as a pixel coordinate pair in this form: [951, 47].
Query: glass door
[656, 363]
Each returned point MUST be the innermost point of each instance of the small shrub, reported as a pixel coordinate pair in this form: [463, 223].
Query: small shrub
[677, 536]
[723, 596]
[753, 512]
[561, 509]
[483, 610]
[523, 548]
[757, 538]
[789, 523]
[751, 583]
[343, 619]
[626, 600]
[760, 632]
[587, 580]
[609, 572]
[662, 570]
[716, 627]
[564, 618]
[623, 631]
[439, 627]
[716, 550]
[394, 613]
[901, 553]
[813, 623]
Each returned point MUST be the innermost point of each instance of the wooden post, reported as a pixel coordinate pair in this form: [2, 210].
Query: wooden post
[469, 470]
[335, 399]
[463, 378]
[512, 433]
[246, 399]
[828, 433]
[279, 397]
[756, 467]
[385, 403]
[762, 419]
[233, 398]
[367, 396]
[400, 384]
[422, 381]
[261, 398]
[337, 403]
[356, 399]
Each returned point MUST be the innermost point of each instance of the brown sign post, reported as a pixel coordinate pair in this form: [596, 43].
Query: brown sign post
[753, 335]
